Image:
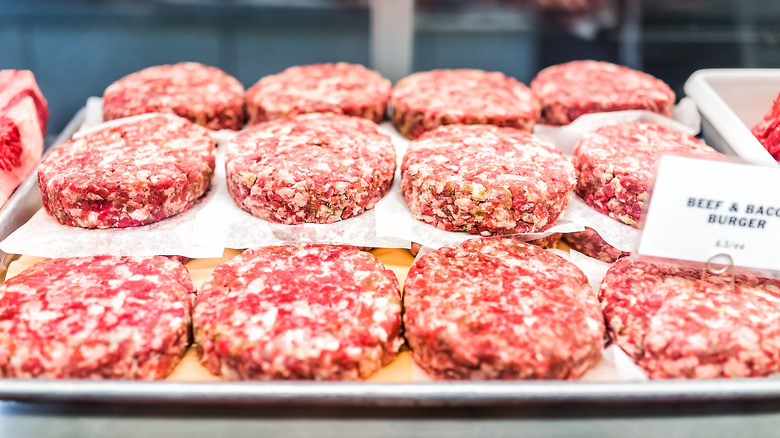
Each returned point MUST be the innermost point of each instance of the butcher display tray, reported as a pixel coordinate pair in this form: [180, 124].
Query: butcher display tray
[385, 393]
[731, 102]
[389, 394]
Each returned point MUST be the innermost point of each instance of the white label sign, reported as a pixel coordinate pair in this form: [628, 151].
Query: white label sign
[701, 208]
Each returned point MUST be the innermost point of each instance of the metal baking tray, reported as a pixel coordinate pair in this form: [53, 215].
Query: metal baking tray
[25, 202]
[435, 394]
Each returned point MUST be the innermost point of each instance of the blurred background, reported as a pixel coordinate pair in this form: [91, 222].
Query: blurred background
[77, 48]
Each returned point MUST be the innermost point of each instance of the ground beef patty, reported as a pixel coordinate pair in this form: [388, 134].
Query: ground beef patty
[550, 241]
[95, 317]
[127, 175]
[341, 88]
[567, 91]
[497, 308]
[590, 243]
[673, 325]
[615, 165]
[426, 100]
[485, 179]
[200, 93]
[302, 311]
[318, 168]
[546, 242]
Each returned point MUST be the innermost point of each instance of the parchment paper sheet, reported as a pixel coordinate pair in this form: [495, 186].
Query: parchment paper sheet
[45, 237]
[393, 218]
[222, 223]
[621, 236]
[685, 118]
[42, 236]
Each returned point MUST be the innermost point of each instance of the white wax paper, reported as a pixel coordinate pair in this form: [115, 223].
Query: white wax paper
[393, 218]
[685, 118]
[43, 236]
[594, 269]
[621, 236]
[625, 368]
[222, 223]
[93, 115]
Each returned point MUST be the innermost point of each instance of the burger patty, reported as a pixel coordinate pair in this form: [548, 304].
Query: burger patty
[299, 311]
[317, 168]
[200, 93]
[95, 317]
[128, 175]
[616, 162]
[341, 88]
[497, 308]
[426, 100]
[590, 243]
[674, 325]
[567, 91]
[485, 179]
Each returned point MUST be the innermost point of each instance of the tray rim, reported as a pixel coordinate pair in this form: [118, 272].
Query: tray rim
[423, 394]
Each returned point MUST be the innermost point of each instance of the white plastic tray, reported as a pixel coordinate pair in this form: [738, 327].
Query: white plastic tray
[732, 101]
